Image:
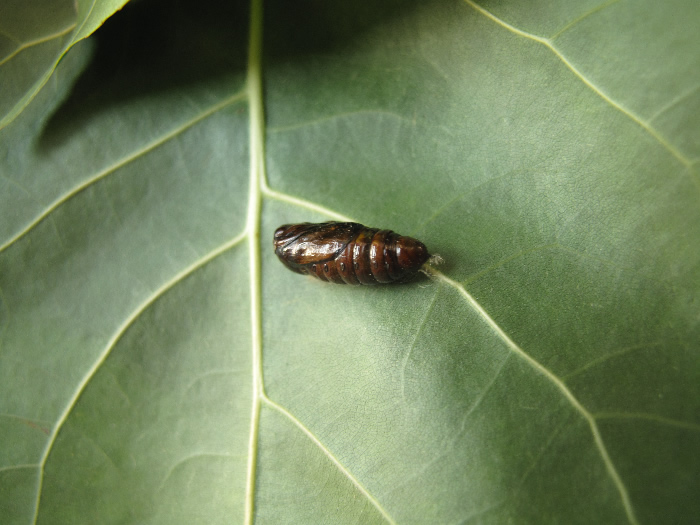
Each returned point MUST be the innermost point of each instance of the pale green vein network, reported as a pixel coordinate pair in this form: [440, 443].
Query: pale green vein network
[330, 456]
[404, 362]
[447, 450]
[129, 321]
[301, 203]
[47, 74]
[548, 42]
[24, 419]
[30, 43]
[610, 467]
[590, 419]
[502, 262]
[187, 459]
[519, 485]
[674, 102]
[119, 164]
[259, 189]
[20, 467]
[87, 17]
[582, 17]
[607, 357]
[558, 246]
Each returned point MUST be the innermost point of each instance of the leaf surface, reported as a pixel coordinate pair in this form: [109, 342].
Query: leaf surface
[34, 35]
[158, 364]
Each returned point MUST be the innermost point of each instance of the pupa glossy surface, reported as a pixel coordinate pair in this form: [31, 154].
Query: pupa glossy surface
[349, 253]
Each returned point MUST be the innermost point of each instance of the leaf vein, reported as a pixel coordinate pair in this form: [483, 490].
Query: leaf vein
[330, 456]
[121, 163]
[581, 18]
[538, 367]
[21, 46]
[256, 137]
[413, 344]
[506, 260]
[602, 359]
[448, 449]
[192, 457]
[645, 125]
[23, 466]
[677, 100]
[302, 203]
[121, 330]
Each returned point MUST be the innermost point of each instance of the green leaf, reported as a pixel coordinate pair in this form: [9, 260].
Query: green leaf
[158, 364]
[34, 35]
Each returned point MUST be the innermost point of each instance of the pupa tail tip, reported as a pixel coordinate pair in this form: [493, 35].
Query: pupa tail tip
[435, 260]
